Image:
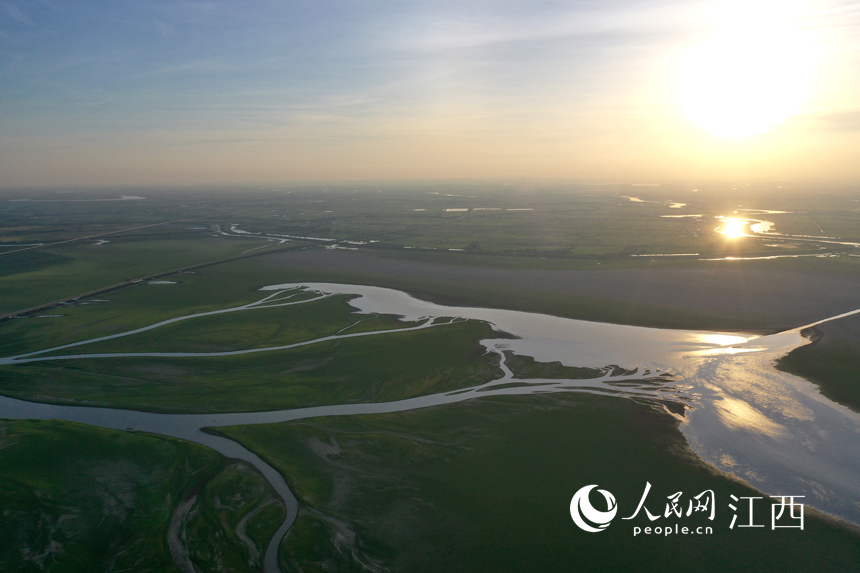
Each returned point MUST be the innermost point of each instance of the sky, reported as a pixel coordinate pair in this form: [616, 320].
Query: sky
[116, 92]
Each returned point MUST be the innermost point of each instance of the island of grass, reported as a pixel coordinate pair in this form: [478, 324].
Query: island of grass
[389, 366]
[526, 367]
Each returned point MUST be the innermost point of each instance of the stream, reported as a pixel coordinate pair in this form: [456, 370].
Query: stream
[773, 430]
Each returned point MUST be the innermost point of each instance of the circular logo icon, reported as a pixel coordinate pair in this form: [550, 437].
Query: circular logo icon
[584, 514]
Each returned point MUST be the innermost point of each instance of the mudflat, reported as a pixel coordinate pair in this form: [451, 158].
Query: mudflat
[730, 294]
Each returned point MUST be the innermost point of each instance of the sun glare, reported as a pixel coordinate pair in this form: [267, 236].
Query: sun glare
[744, 82]
[723, 339]
[733, 228]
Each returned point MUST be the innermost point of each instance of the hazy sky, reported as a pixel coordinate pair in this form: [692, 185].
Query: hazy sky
[116, 92]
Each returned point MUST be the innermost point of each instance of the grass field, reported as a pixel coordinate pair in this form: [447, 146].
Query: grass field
[78, 498]
[252, 328]
[232, 521]
[486, 485]
[379, 368]
[524, 367]
[79, 268]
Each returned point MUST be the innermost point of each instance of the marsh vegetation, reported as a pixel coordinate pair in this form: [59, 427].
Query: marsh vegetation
[475, 486]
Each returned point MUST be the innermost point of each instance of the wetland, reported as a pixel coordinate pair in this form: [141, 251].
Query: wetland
[351, 425]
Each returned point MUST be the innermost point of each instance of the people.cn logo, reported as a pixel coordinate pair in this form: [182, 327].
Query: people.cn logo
[586, 516]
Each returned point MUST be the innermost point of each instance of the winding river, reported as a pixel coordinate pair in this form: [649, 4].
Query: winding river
[773, 430]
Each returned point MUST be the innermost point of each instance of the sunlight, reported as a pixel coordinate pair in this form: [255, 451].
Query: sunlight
[738, 414]
[724, 339]
[725, 344]
[746, 80]
[733, 228]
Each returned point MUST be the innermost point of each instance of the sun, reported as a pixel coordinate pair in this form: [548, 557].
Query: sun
[744, 82]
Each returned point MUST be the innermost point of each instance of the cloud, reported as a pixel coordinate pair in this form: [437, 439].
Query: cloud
[458, 29]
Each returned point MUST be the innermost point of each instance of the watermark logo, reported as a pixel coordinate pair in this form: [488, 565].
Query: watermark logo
[785, 512]
[584, 514]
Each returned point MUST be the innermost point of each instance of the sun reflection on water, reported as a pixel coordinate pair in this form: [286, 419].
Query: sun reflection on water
[730, 350]
[723, 339]
[722, 344]
[733, 227]
[738, 414]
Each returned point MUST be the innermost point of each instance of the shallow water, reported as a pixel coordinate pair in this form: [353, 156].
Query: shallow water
[773, 430]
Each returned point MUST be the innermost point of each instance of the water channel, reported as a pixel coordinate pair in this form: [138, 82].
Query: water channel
[772, 430]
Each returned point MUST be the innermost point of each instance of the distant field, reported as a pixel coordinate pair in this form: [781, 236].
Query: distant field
[522, 226]
[569, 256]
[67, 271]
[537, 219]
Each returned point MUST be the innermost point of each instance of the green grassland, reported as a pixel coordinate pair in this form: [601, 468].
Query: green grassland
[308, 376]
[235, 283]
[384, 367]
[81, 267]
[15, 263]
[230, 525]
[78, 498]
[524, 367]
[132, 307]
[252, 328]
[486, 485]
